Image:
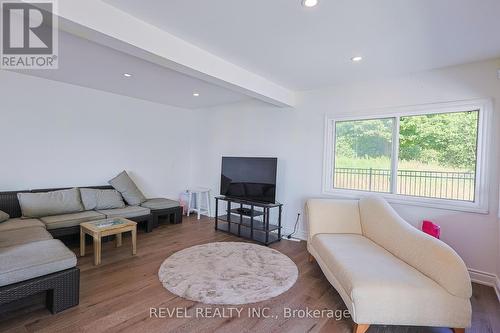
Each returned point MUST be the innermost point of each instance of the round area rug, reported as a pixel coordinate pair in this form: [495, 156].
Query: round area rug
[228, 273]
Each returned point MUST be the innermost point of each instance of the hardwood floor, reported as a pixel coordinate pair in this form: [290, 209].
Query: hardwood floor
[117, 295]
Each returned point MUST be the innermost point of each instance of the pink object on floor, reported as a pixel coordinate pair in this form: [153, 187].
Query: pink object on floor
[183, 199]
[432, 229]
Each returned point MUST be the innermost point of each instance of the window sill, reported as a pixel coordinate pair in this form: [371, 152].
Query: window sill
[443, 204]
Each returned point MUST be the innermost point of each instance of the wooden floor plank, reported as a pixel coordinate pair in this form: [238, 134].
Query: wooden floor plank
[117, 295]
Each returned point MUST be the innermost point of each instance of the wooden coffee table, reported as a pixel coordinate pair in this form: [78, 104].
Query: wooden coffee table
[101, 228]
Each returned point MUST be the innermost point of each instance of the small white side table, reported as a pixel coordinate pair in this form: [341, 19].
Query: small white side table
[199, 192]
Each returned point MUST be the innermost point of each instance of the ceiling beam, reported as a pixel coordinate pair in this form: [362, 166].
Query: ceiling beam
[102, 23]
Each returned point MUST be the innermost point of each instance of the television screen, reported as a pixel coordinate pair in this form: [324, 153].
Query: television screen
[249, 178]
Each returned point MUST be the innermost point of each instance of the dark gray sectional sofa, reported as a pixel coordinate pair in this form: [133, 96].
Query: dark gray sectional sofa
[33, 261]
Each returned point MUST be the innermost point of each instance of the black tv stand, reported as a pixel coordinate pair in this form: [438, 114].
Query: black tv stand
[249, 219]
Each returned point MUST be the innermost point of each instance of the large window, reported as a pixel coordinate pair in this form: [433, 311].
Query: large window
[430, 155]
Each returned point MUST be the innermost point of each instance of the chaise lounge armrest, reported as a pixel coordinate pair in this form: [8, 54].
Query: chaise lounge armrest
[432, 257]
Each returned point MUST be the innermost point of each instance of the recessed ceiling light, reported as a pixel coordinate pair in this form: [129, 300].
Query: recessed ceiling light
[127, 74]
[309, 3]
[357, 58]
[195, 94]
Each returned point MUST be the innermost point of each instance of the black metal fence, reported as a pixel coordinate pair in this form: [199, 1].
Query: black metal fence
[431, 184]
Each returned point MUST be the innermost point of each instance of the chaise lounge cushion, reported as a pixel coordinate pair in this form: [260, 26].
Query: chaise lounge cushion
[50, 203]
[126, 186]
[160, 203]
[101, 199]
[129, 211]
[397, 288]
[3, 216]
[70, 220]
[27, 261]
[23, 236]
[18, 223]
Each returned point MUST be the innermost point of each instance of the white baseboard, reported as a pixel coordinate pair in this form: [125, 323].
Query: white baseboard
[487, 279]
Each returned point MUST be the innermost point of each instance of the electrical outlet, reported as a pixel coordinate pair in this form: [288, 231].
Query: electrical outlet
[498, 74]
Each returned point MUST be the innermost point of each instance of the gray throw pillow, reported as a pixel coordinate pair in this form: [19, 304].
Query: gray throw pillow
[50, 203]
[101, 199]
[126, 186]
[4, 216]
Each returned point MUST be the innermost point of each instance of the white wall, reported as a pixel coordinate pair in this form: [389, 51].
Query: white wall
[55, 134]
[296, 137]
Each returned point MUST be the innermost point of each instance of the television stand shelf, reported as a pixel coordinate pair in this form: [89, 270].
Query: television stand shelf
[249, 219]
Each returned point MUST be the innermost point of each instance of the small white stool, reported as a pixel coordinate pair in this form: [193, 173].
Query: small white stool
[199, 192]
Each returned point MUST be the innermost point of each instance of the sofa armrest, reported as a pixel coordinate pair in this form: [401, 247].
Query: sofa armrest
[430, 256]
[332, 216]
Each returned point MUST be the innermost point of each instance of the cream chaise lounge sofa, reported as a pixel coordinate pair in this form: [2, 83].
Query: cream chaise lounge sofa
[386, 271]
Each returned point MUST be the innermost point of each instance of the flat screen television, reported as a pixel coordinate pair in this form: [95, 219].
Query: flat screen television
[249, 178]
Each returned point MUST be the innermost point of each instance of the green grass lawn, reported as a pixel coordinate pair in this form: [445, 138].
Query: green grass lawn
[385, 163]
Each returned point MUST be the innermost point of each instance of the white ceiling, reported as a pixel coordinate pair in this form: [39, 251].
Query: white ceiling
[310, 48]
[88, 64]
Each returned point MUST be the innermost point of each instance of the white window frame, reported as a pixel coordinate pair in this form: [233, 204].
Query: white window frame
[480, 204]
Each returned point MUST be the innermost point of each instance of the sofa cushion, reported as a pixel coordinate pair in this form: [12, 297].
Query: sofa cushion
[126, 186]
[18, 223]
[383, 289]
[50, 203]
[4, 216]
[27, 261]
[129, 211]
[22, 236]
[70, 220]
[101, 199]
[160, 203]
